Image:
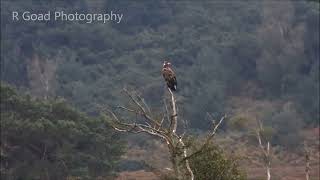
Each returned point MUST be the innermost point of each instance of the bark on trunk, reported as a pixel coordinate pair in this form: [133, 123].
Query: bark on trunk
[268, 173]
[175, 164]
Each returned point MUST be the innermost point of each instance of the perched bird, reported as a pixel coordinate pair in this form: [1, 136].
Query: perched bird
[169, 76]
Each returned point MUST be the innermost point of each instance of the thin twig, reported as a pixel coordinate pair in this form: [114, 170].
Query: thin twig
[143, 111]
[208, 139]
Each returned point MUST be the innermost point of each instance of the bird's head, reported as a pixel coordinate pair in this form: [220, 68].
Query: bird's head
[166, 64]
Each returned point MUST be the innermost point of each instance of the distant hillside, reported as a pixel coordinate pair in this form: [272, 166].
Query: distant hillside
[259, 50]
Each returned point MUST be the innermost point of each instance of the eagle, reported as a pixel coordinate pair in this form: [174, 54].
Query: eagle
[169, 76]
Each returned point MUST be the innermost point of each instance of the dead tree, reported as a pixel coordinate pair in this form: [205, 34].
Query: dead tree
[164, 128]
[264, 146]
[41, 74]
[307, 152]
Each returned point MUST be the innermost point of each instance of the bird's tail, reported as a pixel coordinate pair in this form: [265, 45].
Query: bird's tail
[173, 88]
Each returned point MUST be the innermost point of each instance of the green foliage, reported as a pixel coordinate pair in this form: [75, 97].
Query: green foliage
[52, 140]
[212, 164]
[267, 133]
[288, 128]
[239, 123]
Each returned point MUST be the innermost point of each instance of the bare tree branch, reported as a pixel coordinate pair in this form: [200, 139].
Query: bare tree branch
[167, 111]
[157, 128]
[174, 116]
[186, 161]
[265, 150]
[134, 100]
[307, 152]
[143, 111]
[207, 141]
[162, 120]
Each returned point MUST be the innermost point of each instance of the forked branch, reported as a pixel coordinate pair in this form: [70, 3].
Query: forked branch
[207, 141]
[265, 149]
[157, 127]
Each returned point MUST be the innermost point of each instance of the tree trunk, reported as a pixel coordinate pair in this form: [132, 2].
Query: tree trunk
[307, 165]
[268, 173]
[175, 164]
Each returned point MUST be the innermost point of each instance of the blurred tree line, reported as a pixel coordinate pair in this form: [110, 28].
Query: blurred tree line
[51, 140]
[258, 49]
